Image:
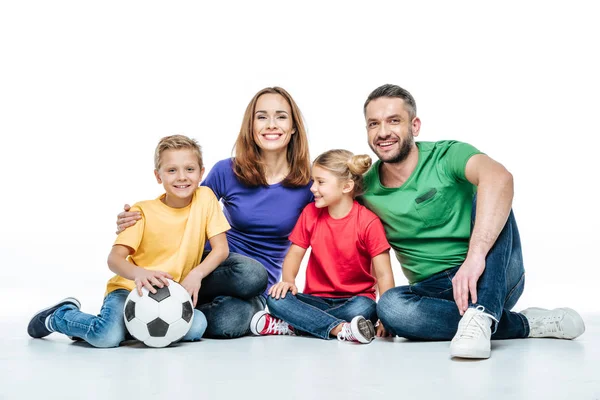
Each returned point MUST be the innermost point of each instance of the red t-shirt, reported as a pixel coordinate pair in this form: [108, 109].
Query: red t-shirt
[342, 251]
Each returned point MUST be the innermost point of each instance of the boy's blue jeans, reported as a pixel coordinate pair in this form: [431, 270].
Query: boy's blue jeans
[316, 315]
[107, 329]
[426, 310]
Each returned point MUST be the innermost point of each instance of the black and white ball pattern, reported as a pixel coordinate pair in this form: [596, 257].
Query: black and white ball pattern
[161, 318]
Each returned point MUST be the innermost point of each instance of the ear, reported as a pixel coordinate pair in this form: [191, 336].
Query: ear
[201, 174]
[157, 176]
[416, 126]
[348, 186]
[293, 130]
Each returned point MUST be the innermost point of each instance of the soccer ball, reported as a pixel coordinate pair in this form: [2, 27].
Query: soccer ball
[161, 318]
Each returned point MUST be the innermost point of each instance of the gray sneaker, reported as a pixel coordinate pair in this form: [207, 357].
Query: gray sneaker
[38, 325]
[359, 330]
[560, 323]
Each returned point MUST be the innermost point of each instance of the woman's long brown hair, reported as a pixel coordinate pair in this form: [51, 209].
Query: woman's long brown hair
[248, 165]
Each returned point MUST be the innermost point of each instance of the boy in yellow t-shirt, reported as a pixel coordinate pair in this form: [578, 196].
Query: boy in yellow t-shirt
[167, 243]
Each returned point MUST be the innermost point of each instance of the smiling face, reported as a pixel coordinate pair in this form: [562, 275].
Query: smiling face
[327, 188]
[180, 175]
[272, 124]
[390, 129]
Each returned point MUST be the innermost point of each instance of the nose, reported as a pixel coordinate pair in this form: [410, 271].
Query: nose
[271, 123]
[313, 187]
[181, 175]
[383, 131]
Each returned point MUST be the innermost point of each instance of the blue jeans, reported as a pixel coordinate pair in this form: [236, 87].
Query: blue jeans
[426, 310]
[316, 315]
[231, 295]
[108, 328]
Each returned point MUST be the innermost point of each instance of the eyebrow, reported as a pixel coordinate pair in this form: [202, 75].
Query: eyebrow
[387, 117]
[276, 112]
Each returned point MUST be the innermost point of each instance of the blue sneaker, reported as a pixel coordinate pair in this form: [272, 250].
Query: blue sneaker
[38, 326]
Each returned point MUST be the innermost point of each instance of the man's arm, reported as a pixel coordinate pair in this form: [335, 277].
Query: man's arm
[494, 201]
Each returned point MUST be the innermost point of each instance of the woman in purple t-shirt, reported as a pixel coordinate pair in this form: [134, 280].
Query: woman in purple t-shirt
[263, 190]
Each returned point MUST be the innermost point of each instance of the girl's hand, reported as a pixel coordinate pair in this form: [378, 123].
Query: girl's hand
[192, 284]
[380, 330]
[279, 290]
[127, 219]
[147, 278]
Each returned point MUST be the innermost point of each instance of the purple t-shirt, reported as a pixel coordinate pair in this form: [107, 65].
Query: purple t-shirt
[261, 217]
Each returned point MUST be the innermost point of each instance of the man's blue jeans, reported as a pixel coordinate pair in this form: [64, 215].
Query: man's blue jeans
[426, 310]
[316, 315]
[107, 329]
[231, 295]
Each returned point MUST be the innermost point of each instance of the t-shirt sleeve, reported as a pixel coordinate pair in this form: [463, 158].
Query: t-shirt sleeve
[216, 178]
[132, 236]
[300, 235]
[375, 240]
[456, 157]
[217, 223]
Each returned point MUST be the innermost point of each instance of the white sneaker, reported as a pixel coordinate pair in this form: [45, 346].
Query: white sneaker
[264, 323]
[473, 337]
[560, 323]
[359, 330]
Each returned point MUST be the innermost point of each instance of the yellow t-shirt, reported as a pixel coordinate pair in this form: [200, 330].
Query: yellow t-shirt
[171, 239]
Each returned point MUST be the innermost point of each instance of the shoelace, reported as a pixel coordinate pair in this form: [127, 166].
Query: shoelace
[547, 324]
[474, 327]
[278, 327]
[346, 333]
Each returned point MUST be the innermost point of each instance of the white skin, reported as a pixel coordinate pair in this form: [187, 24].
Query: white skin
[337, 196]
[180, 174]
[272, 130]
[389, 124]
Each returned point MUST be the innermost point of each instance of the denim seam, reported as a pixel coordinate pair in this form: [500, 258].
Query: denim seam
[515, 287]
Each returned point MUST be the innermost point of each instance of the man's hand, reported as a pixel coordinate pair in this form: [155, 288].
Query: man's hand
[464, 282]
[127, 219]
[280, 289]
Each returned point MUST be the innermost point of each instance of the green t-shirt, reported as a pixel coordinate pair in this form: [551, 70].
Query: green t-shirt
[427, 220]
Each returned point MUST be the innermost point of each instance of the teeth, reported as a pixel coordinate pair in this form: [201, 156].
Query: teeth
[386, 143]
[272, 136]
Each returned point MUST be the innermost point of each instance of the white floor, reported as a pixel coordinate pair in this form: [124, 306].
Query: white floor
[296, 368]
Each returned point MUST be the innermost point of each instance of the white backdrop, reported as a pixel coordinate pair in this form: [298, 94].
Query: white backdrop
[88, 88]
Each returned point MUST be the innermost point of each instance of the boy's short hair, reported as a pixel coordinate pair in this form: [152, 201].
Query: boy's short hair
[177, 142]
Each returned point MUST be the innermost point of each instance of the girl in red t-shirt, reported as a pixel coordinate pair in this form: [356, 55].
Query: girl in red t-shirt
[347, 244]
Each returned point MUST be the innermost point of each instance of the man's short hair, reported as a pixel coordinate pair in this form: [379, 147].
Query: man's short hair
[389, 90]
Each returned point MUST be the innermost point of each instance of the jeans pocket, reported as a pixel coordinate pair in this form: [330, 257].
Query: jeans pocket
[431, 206]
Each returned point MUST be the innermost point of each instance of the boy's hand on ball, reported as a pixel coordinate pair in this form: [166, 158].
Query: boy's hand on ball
[192, 284]
[148, 279]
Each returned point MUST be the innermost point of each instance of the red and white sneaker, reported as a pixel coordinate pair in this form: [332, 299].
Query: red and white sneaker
[359, 330]
[264, 323]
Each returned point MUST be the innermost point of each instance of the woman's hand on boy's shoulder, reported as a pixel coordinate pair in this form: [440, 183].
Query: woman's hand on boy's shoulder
[127, 219]
[279, 289]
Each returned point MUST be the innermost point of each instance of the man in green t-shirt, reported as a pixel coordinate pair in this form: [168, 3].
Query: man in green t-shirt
[446, 209]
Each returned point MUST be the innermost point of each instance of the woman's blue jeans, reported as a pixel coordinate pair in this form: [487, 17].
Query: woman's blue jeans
[231, 295]
[426, 310]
